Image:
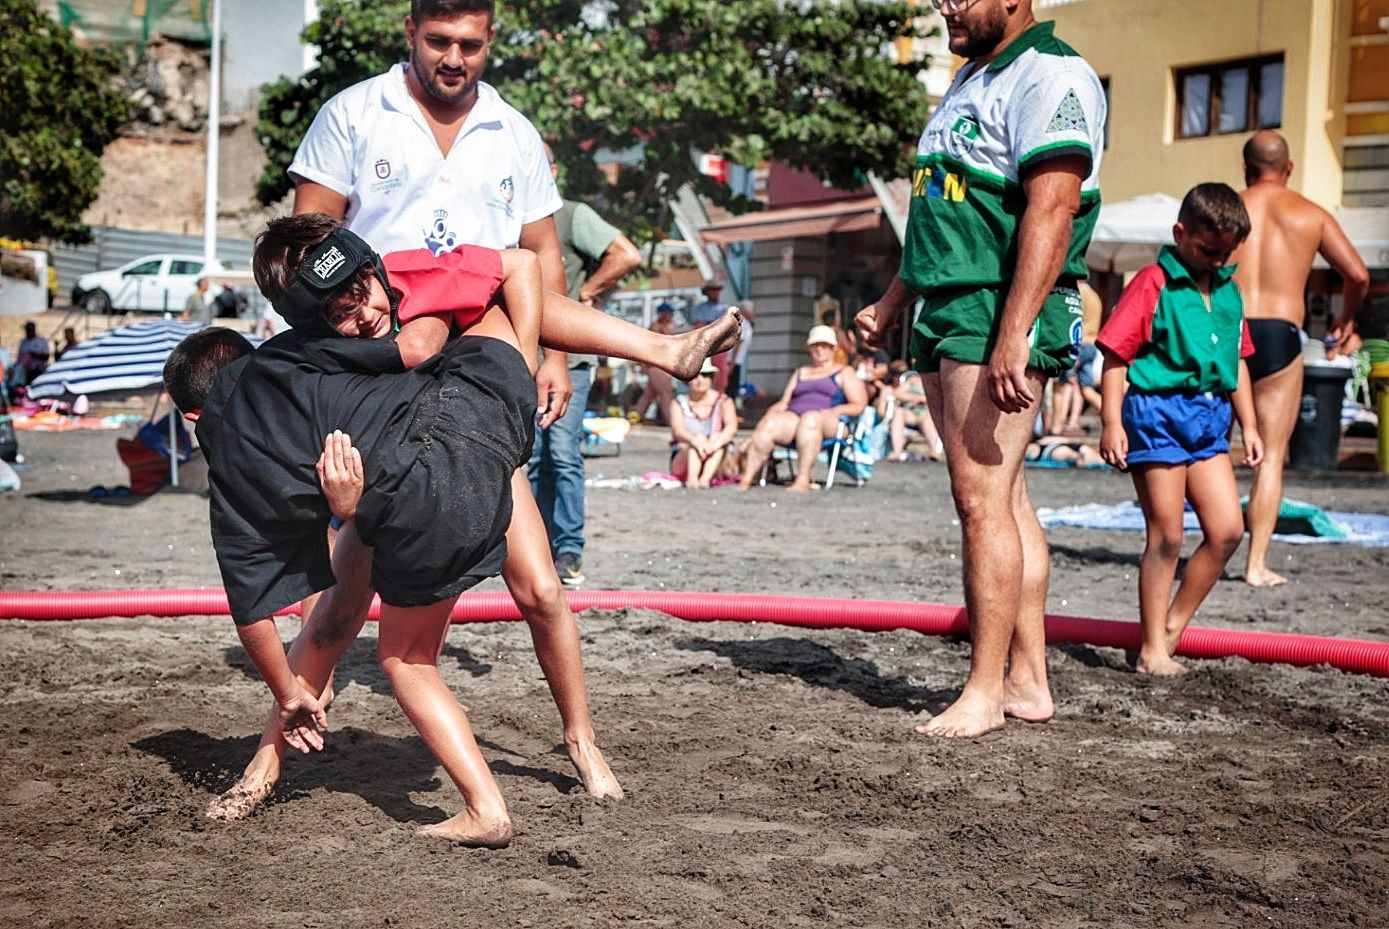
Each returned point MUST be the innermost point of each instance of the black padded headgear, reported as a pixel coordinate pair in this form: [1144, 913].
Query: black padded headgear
[325, 269]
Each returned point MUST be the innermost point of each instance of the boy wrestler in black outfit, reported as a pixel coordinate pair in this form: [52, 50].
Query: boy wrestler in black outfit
[440, 441]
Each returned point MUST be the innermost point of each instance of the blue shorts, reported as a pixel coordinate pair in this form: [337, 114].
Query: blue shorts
[1085, 364]
[1176, 428]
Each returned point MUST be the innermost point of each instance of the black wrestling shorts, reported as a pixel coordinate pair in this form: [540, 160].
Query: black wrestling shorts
[1277, 344]
[442, 528]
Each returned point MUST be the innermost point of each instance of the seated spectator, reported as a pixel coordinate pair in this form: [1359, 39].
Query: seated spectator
[33, 354]
[871, 366]
[808, 412]
[910, 411]
[70, 341]
[703, 423]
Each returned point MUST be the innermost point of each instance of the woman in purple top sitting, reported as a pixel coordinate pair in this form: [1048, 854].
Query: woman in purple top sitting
[808, 412]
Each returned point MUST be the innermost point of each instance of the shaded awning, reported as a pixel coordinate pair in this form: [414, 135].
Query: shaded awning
[1129, 233]
[796, 222]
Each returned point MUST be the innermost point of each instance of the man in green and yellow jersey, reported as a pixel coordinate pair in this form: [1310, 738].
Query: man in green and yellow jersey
[1004, 198]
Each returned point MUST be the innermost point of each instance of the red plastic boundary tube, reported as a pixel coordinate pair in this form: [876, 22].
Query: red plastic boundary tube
[1357, 656]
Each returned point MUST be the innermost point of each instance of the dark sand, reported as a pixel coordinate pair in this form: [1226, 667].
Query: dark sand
[772, 773]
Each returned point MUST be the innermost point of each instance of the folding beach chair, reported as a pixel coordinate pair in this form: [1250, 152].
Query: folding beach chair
[847, 450]
[602, 433]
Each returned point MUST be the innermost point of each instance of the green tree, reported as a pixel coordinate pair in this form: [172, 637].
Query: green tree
[810, 84]
[62, 108]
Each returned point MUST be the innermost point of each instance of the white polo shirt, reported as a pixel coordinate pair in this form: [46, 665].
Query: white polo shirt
[371, 144]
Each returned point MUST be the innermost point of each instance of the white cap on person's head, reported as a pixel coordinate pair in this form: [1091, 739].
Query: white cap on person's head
[821, 335]
[708, 367]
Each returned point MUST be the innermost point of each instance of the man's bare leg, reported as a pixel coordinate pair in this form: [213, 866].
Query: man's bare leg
[337, 617]
[530, 575]
[1277, 399]
[573, 327]
[1026, 691]
[408, 646]
[984, 451]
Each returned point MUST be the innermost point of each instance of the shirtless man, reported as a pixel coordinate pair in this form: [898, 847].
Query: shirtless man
[1288, 232]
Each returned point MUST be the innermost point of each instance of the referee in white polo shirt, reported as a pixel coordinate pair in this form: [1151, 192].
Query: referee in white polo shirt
[428, 156]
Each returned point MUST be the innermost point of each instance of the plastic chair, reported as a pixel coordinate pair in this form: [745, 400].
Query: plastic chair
[844, 445]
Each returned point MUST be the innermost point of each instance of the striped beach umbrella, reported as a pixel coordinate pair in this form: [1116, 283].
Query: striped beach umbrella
[128, 357]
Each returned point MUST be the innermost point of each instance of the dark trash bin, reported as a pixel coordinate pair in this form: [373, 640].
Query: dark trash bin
[1316, 440]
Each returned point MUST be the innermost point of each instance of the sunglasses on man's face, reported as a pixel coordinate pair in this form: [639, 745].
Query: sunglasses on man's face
[951, 7]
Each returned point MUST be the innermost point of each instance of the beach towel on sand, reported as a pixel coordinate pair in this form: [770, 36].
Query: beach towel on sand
[1368, 529]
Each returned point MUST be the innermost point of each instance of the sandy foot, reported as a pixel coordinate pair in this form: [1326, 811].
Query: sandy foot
[1028, 705]
[466, 829]
[966, 718]
[594, 773]
[245, 796]
[1159, 666]
[718, 336]
[1264, 578]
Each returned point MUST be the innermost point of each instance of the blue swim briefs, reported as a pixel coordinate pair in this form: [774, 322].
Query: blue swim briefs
[1176, 428]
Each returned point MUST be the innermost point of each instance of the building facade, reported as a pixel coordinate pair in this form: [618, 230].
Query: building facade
[1189, 80]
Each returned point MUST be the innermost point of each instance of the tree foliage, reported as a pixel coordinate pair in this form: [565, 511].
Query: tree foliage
[810, 84]
[62, 108]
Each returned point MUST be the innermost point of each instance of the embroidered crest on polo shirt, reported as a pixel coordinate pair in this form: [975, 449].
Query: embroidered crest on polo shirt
[507, 188]
[439, 238]
[387, 178]
[1069, 116]
[966, 130]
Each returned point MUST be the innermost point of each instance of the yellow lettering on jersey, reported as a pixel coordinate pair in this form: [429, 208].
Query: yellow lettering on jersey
[954, 187]
[919, 178]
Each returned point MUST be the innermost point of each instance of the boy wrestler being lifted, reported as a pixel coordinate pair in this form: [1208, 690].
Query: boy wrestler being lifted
[268, 516]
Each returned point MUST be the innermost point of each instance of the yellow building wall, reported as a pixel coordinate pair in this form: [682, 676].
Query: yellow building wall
[1137, 44]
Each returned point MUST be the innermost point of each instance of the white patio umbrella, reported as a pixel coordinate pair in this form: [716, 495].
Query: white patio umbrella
[1129, 233]
[1367, 227]
[127, 358]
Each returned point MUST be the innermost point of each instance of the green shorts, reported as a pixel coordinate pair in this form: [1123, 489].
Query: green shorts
[962, 325]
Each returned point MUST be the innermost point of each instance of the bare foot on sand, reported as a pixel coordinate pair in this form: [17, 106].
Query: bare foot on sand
[798, 486]
[693, 347]
[471, 831]
[966, 718]
[1031, 705]
[1161, 665]
[245, 796]
[1263, 577]
[594, 773]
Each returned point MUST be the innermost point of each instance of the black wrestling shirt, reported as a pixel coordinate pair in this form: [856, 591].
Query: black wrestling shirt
[262, 430]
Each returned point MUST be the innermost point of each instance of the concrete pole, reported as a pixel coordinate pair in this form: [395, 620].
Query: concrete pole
[214, 119]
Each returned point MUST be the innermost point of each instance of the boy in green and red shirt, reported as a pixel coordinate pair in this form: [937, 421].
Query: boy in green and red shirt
[1178, 337]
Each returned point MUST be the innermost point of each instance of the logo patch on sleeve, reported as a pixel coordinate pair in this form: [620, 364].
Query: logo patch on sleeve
[1069, 116]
